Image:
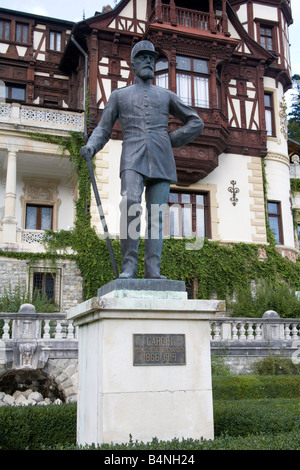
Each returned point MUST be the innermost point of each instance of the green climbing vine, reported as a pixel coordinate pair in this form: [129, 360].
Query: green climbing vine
[295, 185]
[219, 270]
[270, 235]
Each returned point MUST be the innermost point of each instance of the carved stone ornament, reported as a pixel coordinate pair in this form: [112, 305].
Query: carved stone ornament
[26, 354]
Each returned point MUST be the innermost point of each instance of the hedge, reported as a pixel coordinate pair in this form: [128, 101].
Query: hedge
[249, 423]
[250, 386]
[30, 427]
[262, 441]
[241, 418]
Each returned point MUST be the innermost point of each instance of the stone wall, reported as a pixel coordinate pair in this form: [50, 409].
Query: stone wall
[58, 380]
[15, 273]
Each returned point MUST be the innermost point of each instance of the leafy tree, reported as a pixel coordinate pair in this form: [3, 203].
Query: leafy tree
[294, 115]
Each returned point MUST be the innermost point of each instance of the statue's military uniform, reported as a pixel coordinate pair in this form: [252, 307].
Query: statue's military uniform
[147, 158]
[143, 112]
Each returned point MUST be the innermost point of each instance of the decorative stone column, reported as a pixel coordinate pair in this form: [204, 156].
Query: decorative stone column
[9, 222]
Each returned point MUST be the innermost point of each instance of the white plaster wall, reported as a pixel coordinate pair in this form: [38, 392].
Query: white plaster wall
[114, 187]
[234, 221]
[2, 198]
[128, 10]
[242, 13]
[66, 211]
[278, 178]
[233, 31]
[279, 143]
[277, 165]
[141, 7]
[265, 11]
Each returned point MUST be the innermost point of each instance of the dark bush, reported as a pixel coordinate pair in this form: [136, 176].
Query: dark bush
[242, 418]
[273, 365]
[31, 427]
[250, 412]
[242, 387]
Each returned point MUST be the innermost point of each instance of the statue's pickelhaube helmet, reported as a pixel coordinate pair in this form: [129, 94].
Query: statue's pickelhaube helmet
[141, 47]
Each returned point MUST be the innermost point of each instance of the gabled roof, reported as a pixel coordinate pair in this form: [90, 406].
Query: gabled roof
[254, 47]
[103, 20]
[40, 18]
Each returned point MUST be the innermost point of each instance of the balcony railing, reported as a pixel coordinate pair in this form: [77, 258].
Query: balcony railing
[175, 16]
[36, 117]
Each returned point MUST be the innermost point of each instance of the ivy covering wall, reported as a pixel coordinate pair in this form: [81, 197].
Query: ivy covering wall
[218, 270]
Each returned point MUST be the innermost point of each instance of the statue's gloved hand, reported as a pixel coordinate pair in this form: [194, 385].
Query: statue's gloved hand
[87, 152]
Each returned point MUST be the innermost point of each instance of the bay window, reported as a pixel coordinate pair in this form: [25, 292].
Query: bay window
[192, 81]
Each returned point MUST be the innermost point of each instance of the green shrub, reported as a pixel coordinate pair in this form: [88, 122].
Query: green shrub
[239, 423]
[241, 418]
[275, 295]
[218, 366]
[273, 365]
[262, 441]
[12, 299]
[243, 387]
[30, 427]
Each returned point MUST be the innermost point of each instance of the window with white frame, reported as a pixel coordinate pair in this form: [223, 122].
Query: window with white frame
[187, 215]
[162, 72]
[55, 41]
[38, 217]
[192, 81]
[275, 221]
[269, 115]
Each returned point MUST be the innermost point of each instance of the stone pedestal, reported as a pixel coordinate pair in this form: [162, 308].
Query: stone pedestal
[144, 363]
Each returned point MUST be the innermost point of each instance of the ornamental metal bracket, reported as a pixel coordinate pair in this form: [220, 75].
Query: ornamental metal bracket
[232, 189]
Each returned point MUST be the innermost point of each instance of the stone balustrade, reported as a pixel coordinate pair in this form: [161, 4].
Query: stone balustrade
[244, 341]
[268, 328]
[34, 116]
[52, 326]
[29, 339]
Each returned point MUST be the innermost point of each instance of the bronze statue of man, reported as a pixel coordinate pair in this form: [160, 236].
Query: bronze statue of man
[147, 160]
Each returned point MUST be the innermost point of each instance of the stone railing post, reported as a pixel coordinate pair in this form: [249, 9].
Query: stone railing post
[272, 328]
[27, 325]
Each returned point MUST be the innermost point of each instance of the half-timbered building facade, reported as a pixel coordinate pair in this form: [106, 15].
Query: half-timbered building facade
[228, 59]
